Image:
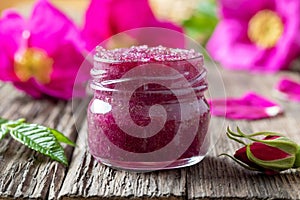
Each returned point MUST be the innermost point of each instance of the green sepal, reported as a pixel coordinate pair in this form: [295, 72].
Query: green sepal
[231, 135]
[283, 143]
[297, 159]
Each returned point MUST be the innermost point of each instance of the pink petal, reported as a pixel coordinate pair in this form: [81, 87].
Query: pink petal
[229, 41]
[128, 14]
[249, 107]
[125, 19]
[105, 18]
[50, 29]
[97, 23]
[67, 62]
[11, 28]
[6, 61]
[30, 87]
[232, 8]
[289, 89]
[12, 25]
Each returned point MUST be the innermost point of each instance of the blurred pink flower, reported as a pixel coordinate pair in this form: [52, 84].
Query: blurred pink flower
[289, 89]
[250, 107]
[40, 55]
[105, 18]
[256, 35]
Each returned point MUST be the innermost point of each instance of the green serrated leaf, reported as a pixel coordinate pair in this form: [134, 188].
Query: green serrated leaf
[61, 137]
[3, 129]
[40, 139]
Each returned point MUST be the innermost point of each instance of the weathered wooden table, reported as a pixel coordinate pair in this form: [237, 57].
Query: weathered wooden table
[27, 174]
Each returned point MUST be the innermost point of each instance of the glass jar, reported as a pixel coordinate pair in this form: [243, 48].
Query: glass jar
[148, 111]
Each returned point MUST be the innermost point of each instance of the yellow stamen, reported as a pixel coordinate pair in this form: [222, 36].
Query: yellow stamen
[33, 63]
[265, 28]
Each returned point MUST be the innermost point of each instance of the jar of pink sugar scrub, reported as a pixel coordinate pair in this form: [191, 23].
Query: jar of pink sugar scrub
[148, 111]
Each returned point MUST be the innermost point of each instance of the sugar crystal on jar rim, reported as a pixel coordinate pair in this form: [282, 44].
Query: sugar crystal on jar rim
[145, 53]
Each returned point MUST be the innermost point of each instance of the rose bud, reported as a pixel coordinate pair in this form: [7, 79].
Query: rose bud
[270, 155]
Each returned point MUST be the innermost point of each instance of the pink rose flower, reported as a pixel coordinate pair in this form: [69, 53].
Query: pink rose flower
[270, 155]
[256, 35]
[41, 55]
[105, 18]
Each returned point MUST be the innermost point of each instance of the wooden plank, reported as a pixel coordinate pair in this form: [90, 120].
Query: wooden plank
[25, 173]
[221, 178]
[89, 179]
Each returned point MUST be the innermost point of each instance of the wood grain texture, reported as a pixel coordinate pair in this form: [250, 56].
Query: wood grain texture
[26, 174]
[87, 179]
[220, 178]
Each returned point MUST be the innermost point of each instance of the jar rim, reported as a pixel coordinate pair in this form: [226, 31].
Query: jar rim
[111, 60]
